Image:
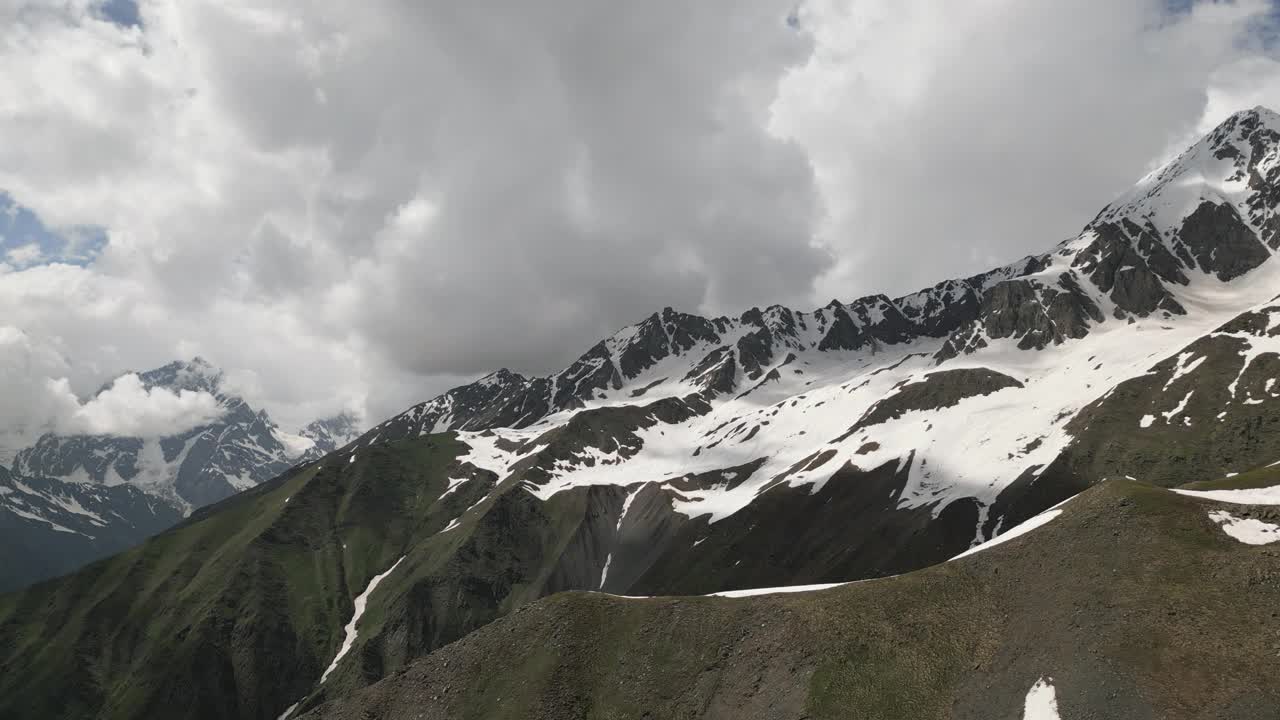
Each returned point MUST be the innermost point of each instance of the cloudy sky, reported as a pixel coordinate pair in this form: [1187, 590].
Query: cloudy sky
[356, 205]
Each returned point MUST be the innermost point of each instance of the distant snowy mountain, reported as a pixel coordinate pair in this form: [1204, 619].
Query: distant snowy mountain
[51, 527]
[203, 465]
[326, 435]
[170, 475]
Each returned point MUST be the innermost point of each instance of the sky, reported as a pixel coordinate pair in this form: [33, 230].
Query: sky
[354, 206]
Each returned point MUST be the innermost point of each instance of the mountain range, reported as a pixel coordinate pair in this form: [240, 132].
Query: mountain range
[1099, 420]
[73, 499]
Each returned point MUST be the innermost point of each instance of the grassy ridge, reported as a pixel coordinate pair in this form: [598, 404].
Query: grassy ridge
[1133, 601]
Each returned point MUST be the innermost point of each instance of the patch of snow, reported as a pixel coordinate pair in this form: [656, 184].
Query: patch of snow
[1146, 421]
[454, 484]
[1019, 529]
[1253, 496]
[31, 516]
[1246, 530]
[1178, 410]
[1184, 368]
[777, 590]
[604, 574]
[1041, 702]
[71, 505]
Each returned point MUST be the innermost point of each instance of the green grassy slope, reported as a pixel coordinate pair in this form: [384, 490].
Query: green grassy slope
[237, 612]
[1132, 600]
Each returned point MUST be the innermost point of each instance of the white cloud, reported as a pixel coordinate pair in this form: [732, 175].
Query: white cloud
[39, 398]
[356, 205]
[130, 409]
[24, 256]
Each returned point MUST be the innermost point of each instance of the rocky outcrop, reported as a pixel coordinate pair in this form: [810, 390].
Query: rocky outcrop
[1220, 241]
[940, 389]
[1115, 265]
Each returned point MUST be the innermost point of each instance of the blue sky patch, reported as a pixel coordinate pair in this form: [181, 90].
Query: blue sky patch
[121, 12]
[26, 242]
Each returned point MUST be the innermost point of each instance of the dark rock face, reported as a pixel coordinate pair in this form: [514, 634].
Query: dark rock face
[1220, 241]
[649, 346]
[755, 352]
[945, 307]
[1158, 257]
[687, 331]
[593, 371]
[864, 534]
[844, 333]
[1071, 310]
[1012, 309]
[716, 372]
[1115, 266]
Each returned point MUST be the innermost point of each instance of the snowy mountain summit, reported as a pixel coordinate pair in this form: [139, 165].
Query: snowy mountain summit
[236, 451]
[971, 403]
[139, 485]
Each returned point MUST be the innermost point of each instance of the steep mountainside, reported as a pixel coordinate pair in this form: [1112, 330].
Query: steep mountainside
[1127, 602]
[688, 455]
[50, 527]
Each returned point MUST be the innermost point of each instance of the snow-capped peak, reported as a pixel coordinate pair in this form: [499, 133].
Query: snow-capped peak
[321, 437]
[196, 375]
[1228, 166]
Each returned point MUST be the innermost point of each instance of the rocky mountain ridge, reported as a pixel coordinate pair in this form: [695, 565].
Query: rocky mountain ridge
[1180, 254]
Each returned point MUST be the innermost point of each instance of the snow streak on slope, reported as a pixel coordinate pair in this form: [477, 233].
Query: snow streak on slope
[1023, 528]
[1254, 496]
[776, 590]
[349, 632]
